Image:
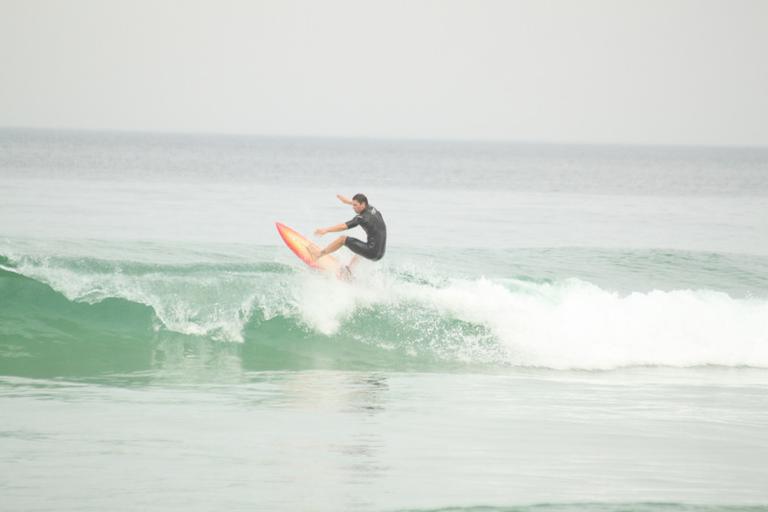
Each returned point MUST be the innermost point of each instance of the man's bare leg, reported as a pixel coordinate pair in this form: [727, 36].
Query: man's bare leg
[332, 247]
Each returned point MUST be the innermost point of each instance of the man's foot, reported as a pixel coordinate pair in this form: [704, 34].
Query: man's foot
[314, 252]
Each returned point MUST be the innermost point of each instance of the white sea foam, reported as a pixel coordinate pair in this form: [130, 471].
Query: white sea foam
[578, 325]
[570, 324]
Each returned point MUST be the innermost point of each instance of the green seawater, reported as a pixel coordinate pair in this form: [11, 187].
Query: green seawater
[553, 328]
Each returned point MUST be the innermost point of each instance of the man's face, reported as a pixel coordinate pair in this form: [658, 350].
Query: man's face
[358, 207]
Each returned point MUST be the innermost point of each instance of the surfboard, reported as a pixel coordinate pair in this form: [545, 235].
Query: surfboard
[297, 243]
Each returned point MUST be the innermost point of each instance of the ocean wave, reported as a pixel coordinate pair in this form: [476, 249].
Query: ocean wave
[386, 318]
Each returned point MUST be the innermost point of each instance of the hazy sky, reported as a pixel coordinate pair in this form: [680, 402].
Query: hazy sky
[691, 72]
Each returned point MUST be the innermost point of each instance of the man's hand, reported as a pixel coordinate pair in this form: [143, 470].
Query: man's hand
[320, 231]
[344, 199]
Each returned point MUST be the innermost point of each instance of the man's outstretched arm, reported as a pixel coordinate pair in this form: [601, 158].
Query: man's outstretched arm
[332, 229]
[344, 199]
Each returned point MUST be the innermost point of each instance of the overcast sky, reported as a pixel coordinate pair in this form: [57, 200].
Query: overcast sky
[670, 72]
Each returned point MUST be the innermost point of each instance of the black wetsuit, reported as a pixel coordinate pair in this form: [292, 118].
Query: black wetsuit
[372, 222]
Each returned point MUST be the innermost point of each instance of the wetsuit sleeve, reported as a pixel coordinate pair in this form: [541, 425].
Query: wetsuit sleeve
[354, 222]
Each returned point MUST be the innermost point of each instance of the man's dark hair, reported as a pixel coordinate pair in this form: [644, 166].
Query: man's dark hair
[360, 198]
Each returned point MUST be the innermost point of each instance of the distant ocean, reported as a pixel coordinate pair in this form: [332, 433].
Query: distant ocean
[553, 328]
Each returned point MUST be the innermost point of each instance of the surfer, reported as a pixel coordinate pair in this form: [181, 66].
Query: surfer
[368, 218]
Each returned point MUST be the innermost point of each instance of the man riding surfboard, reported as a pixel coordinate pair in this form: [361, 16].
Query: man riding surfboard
[368, 218]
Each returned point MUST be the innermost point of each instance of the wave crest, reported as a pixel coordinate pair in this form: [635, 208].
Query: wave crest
[569, 324]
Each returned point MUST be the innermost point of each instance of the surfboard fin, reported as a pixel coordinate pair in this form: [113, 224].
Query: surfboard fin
[345, 274]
